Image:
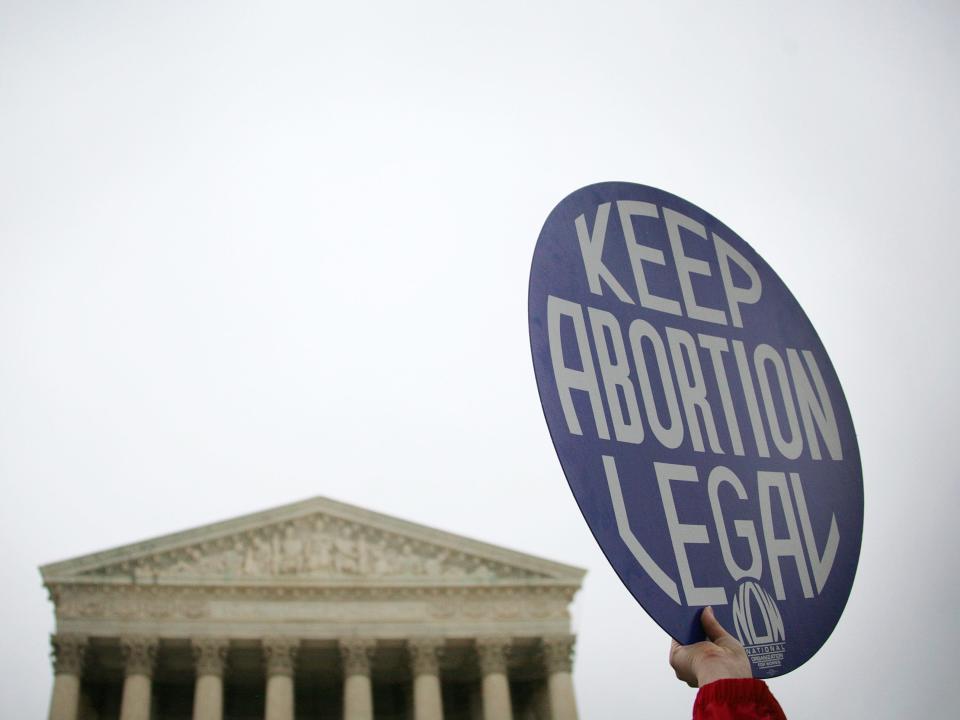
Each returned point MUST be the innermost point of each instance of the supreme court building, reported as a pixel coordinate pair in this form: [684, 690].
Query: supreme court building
[312, 610]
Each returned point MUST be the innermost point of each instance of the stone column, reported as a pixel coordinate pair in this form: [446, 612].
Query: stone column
[280, 654]
[140, 657]
[492, 653]
[68, 653]
[425, 665]
[209, 657]
[558, 661]
[356, 654]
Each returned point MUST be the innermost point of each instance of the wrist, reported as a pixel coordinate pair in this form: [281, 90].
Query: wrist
[709, 675]
[707, 678]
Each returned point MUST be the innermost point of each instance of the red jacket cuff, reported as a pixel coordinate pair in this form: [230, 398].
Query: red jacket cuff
[737, 699]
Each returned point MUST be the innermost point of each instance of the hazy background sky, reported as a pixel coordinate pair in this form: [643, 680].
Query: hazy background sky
[256, 252]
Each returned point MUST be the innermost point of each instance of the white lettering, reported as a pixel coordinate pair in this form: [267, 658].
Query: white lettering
[615, 371]
[591, 249]
[669, 436]
[662, 580]
[781, 547]
[750, 395]
[736, 296]
[744, 528]
[821, 564]
[763, 355]
[569, 379]
[687, 266]
[642, 253]
[683, 534]
[693, 390]
[814, 408]
[716, 346]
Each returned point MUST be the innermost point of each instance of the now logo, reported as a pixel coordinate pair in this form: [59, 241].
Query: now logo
[756, 617]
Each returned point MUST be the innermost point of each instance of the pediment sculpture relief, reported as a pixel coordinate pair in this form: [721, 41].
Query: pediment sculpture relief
[316, 546]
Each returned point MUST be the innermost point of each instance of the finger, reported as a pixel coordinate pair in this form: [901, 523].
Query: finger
[675, 648]
[677, 653]
[711, 626]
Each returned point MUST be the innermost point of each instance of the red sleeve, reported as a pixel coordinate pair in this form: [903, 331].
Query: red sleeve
[742, 699]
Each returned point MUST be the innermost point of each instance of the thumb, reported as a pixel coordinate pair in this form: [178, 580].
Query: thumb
[711, 626]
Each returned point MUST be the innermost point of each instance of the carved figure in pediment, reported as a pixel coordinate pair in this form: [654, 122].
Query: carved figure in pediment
[250, 565]
[257, 559]
[434, 565]
[319, 547]
[364, 555]
[346, 559]
[409, 563]
[483, 571]
[454, 571]
[380, 559]
[186, 561]
[233, 558]
[275, 539]
[291, 552]
[320, 553]
[200, 561]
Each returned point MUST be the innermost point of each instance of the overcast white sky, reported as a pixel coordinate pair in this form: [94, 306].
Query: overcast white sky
[255, 252]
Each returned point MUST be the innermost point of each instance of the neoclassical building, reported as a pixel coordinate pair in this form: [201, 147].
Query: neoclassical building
[312, 610]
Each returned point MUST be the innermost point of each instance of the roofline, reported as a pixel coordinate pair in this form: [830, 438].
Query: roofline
[59, 571]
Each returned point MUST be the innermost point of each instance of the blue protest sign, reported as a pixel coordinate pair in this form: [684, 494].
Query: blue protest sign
[698, 419]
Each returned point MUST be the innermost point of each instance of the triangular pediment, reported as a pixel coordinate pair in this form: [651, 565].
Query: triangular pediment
[317, 541]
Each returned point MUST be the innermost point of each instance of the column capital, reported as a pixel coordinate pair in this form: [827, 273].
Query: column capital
[281, 655]
[68, 653]
[356, 654]
[425, 655]
[209, 655]
[558, 653]
[139, 654]
[492, 653]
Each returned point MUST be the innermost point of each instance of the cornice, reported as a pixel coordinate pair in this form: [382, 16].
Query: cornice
[371, 591]
[293, 583]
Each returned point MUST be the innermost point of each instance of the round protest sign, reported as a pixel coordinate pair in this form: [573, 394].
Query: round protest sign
[698, 420]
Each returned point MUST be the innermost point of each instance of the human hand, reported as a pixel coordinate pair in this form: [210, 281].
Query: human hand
[719, 656]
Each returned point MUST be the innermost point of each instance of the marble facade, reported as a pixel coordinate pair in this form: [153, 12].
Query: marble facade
[313, 610]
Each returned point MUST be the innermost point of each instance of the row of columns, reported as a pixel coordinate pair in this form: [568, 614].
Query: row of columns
[280, 655]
